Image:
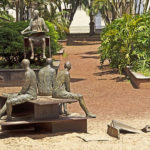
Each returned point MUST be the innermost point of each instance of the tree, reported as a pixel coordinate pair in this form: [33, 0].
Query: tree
[4, 16]
[112, 9]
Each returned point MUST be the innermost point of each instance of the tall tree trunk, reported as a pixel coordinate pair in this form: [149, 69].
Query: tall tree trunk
[73, 11]
[131, 6]
[146, 6]
[21, 7]
[17, 10]
[135, 6]
[139, 8]
[92, 24]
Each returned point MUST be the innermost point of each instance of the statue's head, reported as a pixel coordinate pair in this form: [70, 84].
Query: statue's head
[25, 63]
[35, 14]
[49, 61]
[67, 65]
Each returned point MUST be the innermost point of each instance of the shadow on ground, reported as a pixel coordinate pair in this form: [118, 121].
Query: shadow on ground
[82, 43]
[119, 79]
[106, 70]
[77, 79]
[30, 134]
[91, 53]
[94, 57]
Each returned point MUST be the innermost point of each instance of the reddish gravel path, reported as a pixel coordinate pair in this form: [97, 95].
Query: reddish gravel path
[107, 93]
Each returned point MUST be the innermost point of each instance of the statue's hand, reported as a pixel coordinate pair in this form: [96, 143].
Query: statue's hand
[47, 30]
[22, 32]
[19, 93]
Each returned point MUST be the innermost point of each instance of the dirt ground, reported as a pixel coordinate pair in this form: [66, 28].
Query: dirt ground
[107, 94]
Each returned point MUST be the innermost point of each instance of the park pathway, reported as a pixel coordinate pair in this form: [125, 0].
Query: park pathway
[106, 92]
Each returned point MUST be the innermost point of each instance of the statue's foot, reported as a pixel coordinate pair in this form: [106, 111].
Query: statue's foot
[90, 115]
[67, 113]
[44, 57]
[32, 57]
[1, 116]
[9, 118]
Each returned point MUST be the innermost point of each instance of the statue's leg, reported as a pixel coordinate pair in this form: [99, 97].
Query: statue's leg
[32, 48]
[84, 107]
[81, 102]
[44, 47]
[3, 110]
[16, 100]
[9, 110]
[65, 109]
[60, 109]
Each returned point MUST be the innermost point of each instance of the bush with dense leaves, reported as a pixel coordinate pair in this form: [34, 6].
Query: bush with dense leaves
[54, 36]
[11, 41]
[126, 41]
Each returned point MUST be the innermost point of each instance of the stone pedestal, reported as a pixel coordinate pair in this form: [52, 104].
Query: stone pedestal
[63, 124]
[43, 112]
[45, 117]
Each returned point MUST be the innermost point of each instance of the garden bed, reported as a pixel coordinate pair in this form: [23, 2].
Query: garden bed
[63, 42]
[138, 80]
[15, 77]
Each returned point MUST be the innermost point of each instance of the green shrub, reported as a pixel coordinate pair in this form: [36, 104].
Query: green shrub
[126, 41]
[54, 36]
[11, 41]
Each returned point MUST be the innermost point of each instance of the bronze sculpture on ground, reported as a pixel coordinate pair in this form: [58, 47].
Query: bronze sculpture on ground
[62, 89]
[27, 93]
[46, 79]
[37, 28]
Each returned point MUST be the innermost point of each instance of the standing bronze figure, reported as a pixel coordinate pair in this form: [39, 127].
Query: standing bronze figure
[62, 89]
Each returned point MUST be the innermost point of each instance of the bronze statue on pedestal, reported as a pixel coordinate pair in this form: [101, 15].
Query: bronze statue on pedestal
[37, 29]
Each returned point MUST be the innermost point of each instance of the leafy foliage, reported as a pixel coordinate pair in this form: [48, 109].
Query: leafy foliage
[54, 36]
[11, 41]
[126, 41]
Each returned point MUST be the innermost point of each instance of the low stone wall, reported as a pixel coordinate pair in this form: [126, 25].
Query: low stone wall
[15, 77]
[138, 80]
[59, 55]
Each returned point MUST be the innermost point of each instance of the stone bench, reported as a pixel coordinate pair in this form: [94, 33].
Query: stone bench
[62, 124]
[46, 117]
[46, 107]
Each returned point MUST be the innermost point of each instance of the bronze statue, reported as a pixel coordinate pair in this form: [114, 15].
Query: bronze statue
[46, 79]
[27, 93]
[37, 29]
[62, 89]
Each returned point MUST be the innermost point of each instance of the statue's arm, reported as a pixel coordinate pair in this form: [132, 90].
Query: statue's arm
[28, 28]
[26, 84]
[54, 79]
[45, 26]
[67, 81]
